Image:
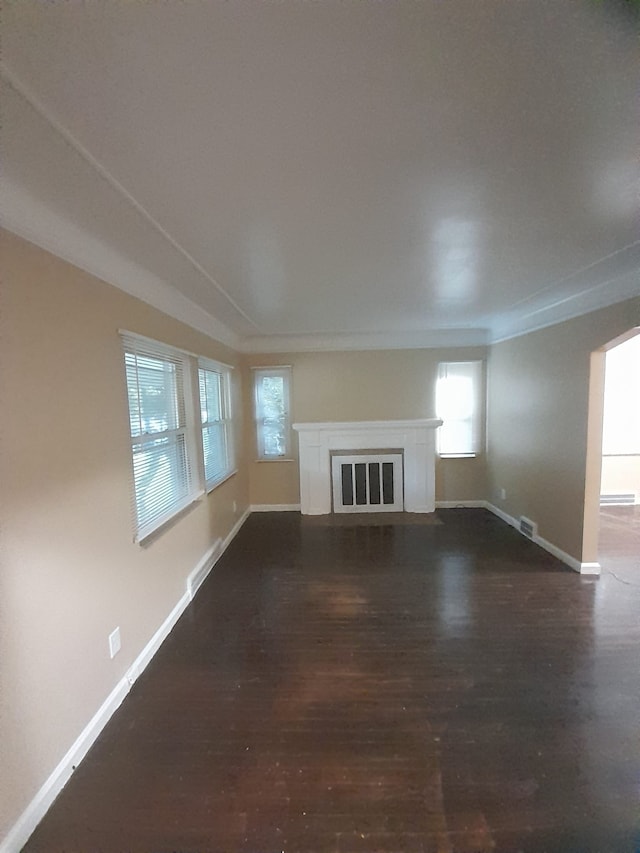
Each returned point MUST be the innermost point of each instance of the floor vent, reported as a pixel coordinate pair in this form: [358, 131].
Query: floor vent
[199, 574]
[528, 527]
[367, 483]
[628, 499]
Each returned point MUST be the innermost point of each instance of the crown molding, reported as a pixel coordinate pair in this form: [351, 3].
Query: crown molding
[425, 339]
[609, 280]
[36, 104]
[602, 295]
[29, 219]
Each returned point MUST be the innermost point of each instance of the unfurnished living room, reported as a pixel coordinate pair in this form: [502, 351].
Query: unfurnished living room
[320, 426]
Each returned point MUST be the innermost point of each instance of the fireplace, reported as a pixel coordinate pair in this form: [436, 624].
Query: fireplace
[415, 439]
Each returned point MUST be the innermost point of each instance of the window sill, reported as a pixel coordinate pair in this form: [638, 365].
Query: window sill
[215, 483]
[277, 459]
[150, 532]
[458, 455]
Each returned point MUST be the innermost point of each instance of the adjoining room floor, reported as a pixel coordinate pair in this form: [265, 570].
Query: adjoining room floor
[448, 688]
[619, 541]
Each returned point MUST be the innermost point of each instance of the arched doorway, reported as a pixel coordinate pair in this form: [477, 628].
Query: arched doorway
[611, 533]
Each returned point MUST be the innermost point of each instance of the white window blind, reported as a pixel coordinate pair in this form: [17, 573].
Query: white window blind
[272, 412]
[161, 443]
[215, 415]
[459, 405]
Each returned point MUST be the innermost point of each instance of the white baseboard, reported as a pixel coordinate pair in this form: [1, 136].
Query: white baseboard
[142, 661]
[590, 569]
[509, 519]
[456, 504]
[197, 577]
[235, 530]
[38, 807]
[275, 507]
[27, 822]
[567, 559]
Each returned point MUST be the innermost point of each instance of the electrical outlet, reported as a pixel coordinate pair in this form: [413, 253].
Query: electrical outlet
[114, 642]
[235, 506]
[503, 494]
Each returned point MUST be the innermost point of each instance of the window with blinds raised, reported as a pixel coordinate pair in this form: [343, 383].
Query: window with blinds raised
[272, 412]
[175, 454]
[215, 415]
[459, 404]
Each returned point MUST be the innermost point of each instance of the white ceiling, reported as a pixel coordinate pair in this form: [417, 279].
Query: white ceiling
[332, 173]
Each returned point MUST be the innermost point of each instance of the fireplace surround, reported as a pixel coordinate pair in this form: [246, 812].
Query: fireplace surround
[415, 438]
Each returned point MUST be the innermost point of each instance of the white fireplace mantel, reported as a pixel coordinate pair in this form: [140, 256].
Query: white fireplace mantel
[416, 438]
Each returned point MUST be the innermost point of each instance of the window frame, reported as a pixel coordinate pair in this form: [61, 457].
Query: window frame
[186, 403]
[224, 373]
[283, 371]
[474, 419]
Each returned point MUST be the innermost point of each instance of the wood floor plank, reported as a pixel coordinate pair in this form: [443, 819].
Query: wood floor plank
[447, 688]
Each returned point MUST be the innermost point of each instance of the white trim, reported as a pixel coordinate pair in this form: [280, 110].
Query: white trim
[460, 504]
[271, 367]
[203, 569]
[225, 422]
[608, 292]
[40, 804]
[26, 216]
[590, 568]
[285, 374]
[416, 438]
[471, 455]
[359, 426]
[155, 528]
[274, 508]
[31, 221]
[38, 807]
[34, 102]
[178, 386]
[361, 341]
[203, 360]
[212, 363]
[508, 519]
[141, 662]
[198, 575]
[472, 374]
[231, 535]
[214, 485]
[567, 559]
[20, 832]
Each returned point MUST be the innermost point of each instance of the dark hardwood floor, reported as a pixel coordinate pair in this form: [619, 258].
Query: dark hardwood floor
[448, 688]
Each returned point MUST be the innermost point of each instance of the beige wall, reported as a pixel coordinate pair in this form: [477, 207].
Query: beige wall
[70, 571]
[360, 386]
[538, 403]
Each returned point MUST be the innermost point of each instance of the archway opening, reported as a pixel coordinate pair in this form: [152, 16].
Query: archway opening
[611, 534]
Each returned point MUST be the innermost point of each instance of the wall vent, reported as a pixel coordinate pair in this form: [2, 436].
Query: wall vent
[367, 483]
[528, 527]
[628, 499]
[199, 574]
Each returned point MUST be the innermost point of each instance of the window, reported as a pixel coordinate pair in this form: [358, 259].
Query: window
[214, 381]
[459, 405]
[272, 411]
[172, 461]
